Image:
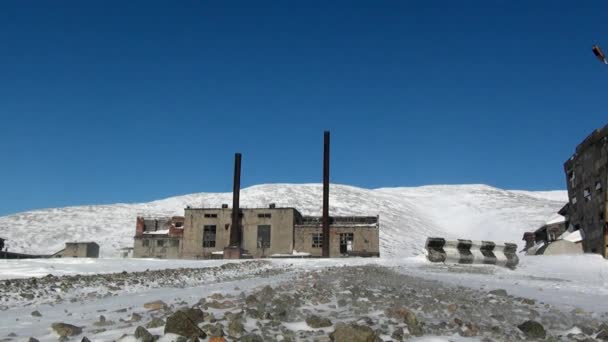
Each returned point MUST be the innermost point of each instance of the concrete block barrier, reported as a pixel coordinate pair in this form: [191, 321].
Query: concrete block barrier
[471, 252]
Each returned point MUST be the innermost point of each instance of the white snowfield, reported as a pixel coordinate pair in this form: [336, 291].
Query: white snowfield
[407, 215]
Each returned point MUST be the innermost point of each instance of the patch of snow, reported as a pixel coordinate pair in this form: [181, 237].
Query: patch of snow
[407, 215]
[158, 232]
[557, 218]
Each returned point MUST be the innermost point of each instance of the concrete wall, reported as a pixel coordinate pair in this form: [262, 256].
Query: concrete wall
[281, 222]
[585, 169]
[366, 240]
[170, 248]
[79, 250]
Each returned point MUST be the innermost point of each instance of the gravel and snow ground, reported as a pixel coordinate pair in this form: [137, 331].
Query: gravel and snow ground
[376, 298]
[399, 296]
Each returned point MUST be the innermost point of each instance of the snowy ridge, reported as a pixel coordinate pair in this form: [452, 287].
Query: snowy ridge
[407, 215]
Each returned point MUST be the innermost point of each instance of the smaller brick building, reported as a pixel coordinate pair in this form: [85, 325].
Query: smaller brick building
[158, 237]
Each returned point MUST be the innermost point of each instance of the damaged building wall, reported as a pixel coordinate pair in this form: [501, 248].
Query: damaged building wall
[349, 236]
[266, 231]
[79, 250]
[158, 237]
[587, 177]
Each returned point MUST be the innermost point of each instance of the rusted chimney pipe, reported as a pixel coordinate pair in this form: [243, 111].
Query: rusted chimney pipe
[325, 250]
[235, 230]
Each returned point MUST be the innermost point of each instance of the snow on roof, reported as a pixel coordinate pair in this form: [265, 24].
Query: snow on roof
[158, 232]
[296, 253]
[557, 218]
[574, 236]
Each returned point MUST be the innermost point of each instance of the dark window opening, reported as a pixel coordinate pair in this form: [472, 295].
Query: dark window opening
[179, 224]
[264, 236]
[160, 243]
[208, 236]
[346, 243]
[264, 215]
[145, 243]
[210, 215]
[317, 240]
[174, 243]
[571, 177]
[602, 216]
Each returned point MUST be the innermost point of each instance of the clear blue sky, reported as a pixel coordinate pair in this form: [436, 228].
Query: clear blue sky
[128, 101]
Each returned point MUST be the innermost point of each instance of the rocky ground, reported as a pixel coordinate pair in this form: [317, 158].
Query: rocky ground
[357, 303]
[53, 289]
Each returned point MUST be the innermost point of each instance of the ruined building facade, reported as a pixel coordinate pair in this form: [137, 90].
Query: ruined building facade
[264, 232]
[158, 237]
[587, 178]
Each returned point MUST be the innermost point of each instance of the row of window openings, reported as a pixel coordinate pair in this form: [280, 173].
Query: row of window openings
[210, 232]
[263, 240]
[261, 215]
[587, 192]
[161, 243]
[346, 241]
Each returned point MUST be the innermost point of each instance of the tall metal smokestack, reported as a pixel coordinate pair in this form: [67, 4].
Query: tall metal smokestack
[325, 249]
[235, 230]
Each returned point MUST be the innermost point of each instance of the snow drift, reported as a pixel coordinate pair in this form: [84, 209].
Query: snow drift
[407, 215]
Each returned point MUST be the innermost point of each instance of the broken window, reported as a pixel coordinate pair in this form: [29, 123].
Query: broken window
[208, 236]
[160, 243]
[598, 186]
[317, 240]
[264, 236]
[573, 200]
[571, 177]
[346, 243]
[587, 194]
[145, 242]
[264, 215]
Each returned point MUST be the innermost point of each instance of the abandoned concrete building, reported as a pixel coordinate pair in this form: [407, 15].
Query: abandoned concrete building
[78, 250]
[158, 237]
[587, 177]
[265, 233]
[271, 232]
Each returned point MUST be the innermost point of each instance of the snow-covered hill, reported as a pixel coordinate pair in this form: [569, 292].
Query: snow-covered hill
[407, 215]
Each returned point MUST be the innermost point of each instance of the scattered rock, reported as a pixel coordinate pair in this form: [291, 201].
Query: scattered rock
[316, 322]
[27, 296]
[528, 301]
[31, 339]
[155, 305]
[64, 329]
[135, 317]
[144, 335]
[196, 315]
[36, 314]
[532, 329]
[352, 333]
[179, 323]
[155, 323]
[499, 292]
[252, 338]
[85, 339]
[236, 328]
[103, 322]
